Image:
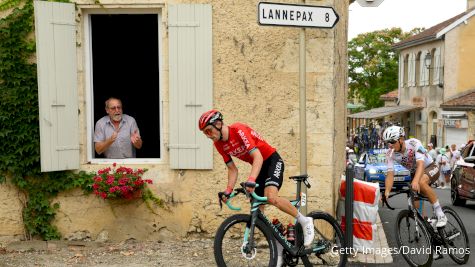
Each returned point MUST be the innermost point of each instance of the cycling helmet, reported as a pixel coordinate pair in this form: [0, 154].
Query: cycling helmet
[209, 117]
[393, 133]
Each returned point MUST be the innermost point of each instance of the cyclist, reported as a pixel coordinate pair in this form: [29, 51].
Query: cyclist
[240, 141]
[412, 155]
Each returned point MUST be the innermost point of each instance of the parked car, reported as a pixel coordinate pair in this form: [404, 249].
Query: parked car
[372, 167]
[462, 180]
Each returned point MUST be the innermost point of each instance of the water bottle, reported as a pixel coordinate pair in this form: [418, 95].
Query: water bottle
[291, 233]
[278, 225]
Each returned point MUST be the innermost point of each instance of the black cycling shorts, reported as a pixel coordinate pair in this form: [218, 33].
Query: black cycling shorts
[272, 173]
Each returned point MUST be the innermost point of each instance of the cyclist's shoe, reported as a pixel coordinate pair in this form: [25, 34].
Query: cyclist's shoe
[308, 232]
[441, 221]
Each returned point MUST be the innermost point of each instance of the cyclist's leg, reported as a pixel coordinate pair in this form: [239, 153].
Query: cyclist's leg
[426, 189]
[272, 173]
[431, 173]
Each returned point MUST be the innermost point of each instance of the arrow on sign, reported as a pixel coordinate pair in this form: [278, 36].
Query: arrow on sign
[278, 14]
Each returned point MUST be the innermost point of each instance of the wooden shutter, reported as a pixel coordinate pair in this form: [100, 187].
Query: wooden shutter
[191, 82]
[55, 28]
[412, 70]
[437, 67]
[401, 71]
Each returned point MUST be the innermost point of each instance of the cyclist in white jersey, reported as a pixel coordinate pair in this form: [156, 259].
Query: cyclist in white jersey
[412, 155]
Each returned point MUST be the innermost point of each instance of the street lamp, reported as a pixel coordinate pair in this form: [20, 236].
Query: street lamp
[428, 60]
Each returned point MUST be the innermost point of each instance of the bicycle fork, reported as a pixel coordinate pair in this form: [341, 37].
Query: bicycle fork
[248, 249]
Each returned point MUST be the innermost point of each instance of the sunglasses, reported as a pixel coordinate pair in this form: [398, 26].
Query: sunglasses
[392, 142]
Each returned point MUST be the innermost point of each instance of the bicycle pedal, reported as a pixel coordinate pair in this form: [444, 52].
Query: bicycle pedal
[438, 257]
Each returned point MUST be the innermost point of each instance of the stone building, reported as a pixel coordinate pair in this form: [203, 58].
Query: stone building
[434, 67]
[169, 61]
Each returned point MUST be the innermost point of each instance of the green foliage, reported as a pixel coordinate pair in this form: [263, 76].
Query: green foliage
[373, 64]
[19, 124]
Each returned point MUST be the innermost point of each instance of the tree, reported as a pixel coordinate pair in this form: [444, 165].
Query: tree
[373, 64]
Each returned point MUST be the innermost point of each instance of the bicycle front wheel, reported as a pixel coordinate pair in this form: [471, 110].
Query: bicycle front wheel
[455, 237]
[413, 240]
[328, 242]
[231, 248]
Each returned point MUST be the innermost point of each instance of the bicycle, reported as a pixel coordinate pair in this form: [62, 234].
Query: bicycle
[422, 238]
[249, 239]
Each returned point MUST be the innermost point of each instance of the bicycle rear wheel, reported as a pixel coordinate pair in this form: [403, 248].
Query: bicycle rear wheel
[455, 237]
[230, 247]
[327, 243]
[414, 242]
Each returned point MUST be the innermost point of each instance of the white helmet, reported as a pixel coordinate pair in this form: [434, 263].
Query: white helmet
[393, 133]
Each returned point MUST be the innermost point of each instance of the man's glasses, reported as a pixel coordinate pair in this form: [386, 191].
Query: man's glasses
[115, 107]
[392, 142]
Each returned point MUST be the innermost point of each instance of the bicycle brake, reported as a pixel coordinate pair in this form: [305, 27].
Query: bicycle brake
[220, 195]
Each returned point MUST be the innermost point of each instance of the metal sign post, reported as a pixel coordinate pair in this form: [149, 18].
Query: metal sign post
[303, 16]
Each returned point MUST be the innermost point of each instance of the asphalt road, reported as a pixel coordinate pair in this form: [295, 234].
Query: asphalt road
[388, 217]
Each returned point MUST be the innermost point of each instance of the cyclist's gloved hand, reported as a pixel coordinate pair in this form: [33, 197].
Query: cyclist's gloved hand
[224, 196]
[250, 184]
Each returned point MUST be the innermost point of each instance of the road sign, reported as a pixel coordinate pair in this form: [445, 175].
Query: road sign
[369, 3]
[278, 14]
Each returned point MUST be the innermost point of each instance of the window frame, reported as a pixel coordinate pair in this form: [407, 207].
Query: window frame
[89, 98]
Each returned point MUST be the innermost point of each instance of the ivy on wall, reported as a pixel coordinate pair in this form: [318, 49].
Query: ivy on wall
[19, 124]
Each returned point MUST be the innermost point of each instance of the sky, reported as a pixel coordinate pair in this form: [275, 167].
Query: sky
[406, 14]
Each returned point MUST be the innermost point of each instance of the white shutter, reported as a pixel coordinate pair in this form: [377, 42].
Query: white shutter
[412, 75]
[191, 82]
[401, 71]
[410, 72]
[437, 67]
[55, 28]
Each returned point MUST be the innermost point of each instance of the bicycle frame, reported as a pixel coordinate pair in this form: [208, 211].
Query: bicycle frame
[436, 238]
[256, 214]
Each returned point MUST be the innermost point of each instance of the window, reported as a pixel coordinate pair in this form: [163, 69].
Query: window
[122, 58]
[123, 52]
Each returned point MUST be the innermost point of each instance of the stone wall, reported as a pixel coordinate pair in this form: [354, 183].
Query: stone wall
[256, 82]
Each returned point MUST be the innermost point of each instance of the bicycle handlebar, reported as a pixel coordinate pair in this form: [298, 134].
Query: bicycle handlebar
[409, 192]
[236, 192]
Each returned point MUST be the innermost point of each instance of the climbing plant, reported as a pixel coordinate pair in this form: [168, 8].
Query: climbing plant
[19, 125]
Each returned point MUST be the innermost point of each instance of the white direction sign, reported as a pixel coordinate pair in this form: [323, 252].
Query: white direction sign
[297, 15]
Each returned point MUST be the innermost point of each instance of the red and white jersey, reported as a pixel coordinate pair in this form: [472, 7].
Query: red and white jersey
[241, 142]
[414, 151]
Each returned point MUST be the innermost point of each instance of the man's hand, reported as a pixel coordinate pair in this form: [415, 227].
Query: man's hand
[415, 185]
[226, 194]
[250, 184]
[113, 136]
[135, 137]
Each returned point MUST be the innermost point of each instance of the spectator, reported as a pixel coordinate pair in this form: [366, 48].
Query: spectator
[431, 151]
[116, 135]
[453, 150]
[444, 166]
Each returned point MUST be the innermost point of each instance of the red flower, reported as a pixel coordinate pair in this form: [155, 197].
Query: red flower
[122, 182]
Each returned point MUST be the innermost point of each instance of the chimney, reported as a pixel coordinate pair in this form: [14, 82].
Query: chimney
[470, 4]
